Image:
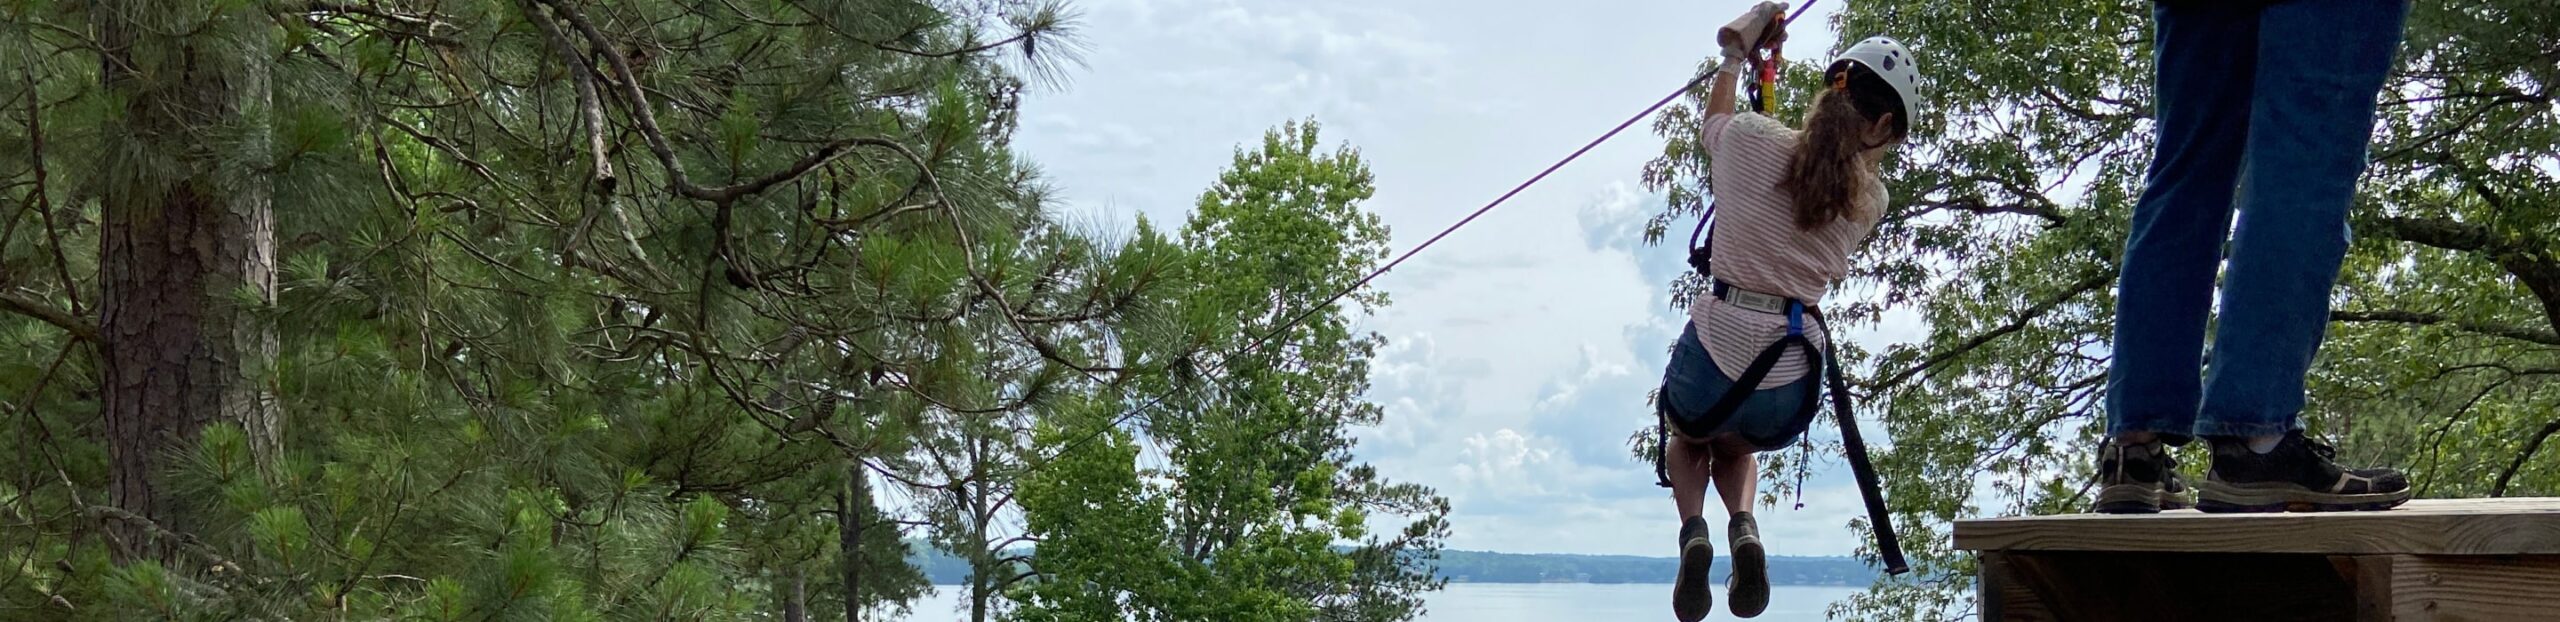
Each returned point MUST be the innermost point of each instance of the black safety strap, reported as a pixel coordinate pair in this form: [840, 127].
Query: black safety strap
[1879, 517]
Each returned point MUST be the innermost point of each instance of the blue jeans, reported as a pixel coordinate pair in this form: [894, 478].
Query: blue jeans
[1770, 419]
[2266, 112]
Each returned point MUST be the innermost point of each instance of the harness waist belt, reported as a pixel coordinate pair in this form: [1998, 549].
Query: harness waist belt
[1756, 301]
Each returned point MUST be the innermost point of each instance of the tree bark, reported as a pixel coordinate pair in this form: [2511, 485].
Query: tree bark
[849, 511]
[187, 251]
[982, 565]
[795, 602]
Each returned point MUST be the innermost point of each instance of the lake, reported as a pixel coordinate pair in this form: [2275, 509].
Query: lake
[1527, 602]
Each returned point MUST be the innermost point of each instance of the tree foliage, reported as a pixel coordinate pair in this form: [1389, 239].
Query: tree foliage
[2008, 215]
[1256, 485]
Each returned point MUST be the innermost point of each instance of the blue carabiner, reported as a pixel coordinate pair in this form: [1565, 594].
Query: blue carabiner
[1795, 318]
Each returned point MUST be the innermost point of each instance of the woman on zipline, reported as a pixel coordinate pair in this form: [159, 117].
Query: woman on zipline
[1791, 205]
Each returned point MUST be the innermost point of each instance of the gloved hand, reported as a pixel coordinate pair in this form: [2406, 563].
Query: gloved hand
[1737, 38]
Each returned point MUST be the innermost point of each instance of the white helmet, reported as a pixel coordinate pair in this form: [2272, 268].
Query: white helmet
[1890, 61]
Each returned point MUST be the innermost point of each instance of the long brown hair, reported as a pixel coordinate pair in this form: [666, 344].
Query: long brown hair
[1824, 175]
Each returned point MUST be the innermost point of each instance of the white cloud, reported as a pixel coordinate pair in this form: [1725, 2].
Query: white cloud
[1596, 368]
[1501, 461]
[1419, 390]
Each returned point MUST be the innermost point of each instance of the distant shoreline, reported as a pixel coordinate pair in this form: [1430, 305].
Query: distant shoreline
[1520, 568]
[1492, 568]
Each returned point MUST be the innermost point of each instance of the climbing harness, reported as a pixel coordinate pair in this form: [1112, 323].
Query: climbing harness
[1879, 517]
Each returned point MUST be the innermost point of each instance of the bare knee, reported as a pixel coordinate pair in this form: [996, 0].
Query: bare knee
[1730, 446]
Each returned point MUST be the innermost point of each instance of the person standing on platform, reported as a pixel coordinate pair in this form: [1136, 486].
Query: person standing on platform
[2264, 109]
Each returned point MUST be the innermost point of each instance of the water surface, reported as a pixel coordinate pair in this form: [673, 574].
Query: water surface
[1526, 602]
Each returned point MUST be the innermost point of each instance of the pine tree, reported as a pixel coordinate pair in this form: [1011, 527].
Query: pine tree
[579, 310]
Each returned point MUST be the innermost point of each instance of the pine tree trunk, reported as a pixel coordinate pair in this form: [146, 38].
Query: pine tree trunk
[795, 603]
[187, 234]
[849, 535]
[978, 520]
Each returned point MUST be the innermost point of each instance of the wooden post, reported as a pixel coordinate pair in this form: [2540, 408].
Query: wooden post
[2002, 596]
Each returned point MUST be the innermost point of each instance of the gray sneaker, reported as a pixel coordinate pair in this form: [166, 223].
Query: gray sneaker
[1747, 590]
[1690, 598]
[2139, 479]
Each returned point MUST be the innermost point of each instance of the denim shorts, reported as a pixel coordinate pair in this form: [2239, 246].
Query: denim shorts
[1770, 419]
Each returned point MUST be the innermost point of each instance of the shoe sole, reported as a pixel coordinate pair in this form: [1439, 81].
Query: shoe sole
[1690, 599]
[1748, 588]
[2222, 497]
[2130, 499]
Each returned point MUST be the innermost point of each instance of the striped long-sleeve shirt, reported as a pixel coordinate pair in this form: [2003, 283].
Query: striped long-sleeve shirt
[1759, 248]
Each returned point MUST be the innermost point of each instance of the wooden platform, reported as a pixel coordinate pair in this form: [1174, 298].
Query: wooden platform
[2465, 559]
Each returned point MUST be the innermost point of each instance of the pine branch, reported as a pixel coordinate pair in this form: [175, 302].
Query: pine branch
[322, 7]
[742, 12]
[899, 380]
[842, 225]
[154, 529]
[590, 108]
[459, 156]
[959, 51]
[429, 22]
[647, 121]
[23, 305]
[969, 253]
[43, 196]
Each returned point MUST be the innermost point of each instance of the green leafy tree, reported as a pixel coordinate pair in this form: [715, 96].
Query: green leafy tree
[1107, 554]
[2009, 213]
[1257, 484]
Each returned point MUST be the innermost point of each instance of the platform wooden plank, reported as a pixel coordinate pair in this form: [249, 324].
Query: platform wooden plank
[2525, 526]
[2475, 588]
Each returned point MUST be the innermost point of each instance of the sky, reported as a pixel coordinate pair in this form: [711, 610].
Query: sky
[1519, 350]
